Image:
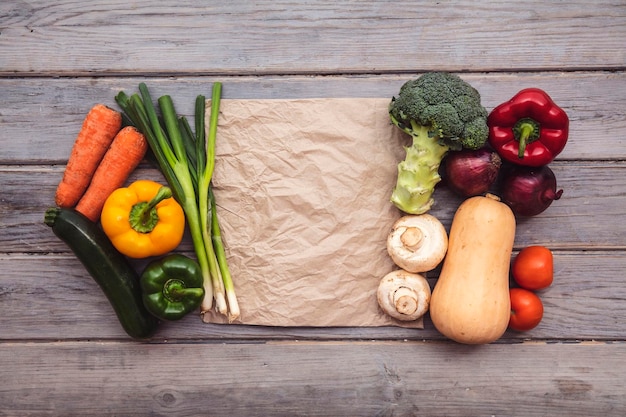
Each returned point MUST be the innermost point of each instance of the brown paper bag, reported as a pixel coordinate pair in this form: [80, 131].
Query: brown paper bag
[303, 189]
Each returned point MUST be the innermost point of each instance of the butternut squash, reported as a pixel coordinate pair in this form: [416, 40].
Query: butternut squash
[470, 302]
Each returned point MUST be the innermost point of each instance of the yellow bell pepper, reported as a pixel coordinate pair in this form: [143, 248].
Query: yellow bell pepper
[143, 219]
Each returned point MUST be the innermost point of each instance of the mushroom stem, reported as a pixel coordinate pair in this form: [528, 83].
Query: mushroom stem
[412, 238]
[403, 295]
[405, 300]
[417, 243]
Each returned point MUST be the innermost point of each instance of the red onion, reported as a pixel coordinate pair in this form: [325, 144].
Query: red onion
[471, 172]
[529, 190]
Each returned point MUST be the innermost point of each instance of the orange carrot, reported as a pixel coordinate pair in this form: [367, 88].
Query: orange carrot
[94, 138]
[126, 152]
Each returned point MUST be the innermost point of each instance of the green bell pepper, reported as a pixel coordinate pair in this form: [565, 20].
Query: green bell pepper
[172, 286]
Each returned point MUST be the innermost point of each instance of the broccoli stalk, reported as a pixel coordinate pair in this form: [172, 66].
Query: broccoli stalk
[442, 113]
[418, 173]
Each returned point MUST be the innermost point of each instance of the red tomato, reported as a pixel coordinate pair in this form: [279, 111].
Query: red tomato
[526, 309]
[533, 268]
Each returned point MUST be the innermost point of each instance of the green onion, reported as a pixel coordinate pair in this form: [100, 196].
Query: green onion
[187, 162]
[221, 258]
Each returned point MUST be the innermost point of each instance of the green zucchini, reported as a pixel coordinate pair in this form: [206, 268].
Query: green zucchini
[108, 267]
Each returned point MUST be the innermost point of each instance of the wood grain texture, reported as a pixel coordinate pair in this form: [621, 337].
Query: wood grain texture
[37, 112]
[62, 351]
[318, 37]
[584, 218]
[51, 297]
[312, 379]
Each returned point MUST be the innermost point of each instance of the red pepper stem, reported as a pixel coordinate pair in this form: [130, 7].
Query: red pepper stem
[526, 130]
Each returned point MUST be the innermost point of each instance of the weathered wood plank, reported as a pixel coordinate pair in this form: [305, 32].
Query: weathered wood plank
[240, 37]
[586, 217]
[46, 297]
[312, 379]
[62, 350]
[40, 117]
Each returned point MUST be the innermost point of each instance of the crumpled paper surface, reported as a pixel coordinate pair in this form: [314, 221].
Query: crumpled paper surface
[303, 189]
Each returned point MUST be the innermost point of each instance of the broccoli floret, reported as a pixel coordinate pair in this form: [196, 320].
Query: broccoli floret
[442, 113]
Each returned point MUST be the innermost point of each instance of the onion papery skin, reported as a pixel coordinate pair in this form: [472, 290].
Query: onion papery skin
[529, 191]
[469, 173]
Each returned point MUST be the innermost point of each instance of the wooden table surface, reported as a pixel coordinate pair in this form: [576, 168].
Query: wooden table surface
[62, 351]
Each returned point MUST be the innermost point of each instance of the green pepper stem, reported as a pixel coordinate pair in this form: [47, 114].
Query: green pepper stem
[176, 290]
[143, 216]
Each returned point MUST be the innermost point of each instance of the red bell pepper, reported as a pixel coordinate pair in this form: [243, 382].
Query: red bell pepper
[529, 129]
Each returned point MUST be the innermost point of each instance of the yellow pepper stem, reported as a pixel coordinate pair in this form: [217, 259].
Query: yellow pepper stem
[143, 216]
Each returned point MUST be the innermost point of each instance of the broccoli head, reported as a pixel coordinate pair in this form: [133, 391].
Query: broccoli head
[448, 106]
[441, 112]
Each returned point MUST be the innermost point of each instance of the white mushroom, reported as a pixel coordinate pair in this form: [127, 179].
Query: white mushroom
[404, 295]
[417, 243]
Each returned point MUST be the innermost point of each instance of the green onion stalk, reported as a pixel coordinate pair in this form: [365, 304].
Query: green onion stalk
[187, 161]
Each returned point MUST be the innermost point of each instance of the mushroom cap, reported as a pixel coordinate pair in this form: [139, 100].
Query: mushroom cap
[417, 243]
[404, 295]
